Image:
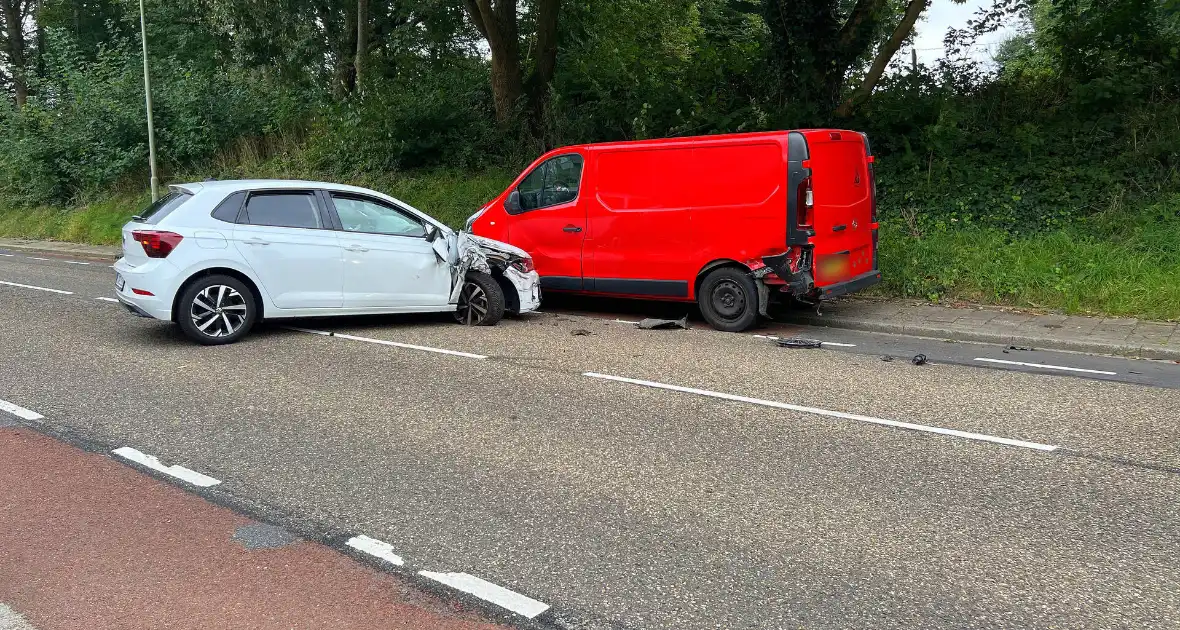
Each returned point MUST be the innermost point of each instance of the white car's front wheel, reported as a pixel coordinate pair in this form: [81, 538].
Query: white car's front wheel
[216, 310]
[481, 301]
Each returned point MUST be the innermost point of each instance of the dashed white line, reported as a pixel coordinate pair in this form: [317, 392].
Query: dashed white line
[36, 258]
[19, 411]
[390, 343]
[180, 472]
[1046, 366]
[29, 286]
[828, 413]
[377, 548]
[76, 262]
[106, 299]
[824, 343]
[524, 606]
[8, 255]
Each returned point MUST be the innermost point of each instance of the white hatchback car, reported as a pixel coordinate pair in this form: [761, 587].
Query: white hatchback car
[216, 257]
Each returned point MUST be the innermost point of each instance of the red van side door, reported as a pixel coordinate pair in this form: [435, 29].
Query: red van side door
[550, 223]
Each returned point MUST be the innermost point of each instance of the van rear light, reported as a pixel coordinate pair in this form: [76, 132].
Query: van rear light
[806, 205]
[157, 244]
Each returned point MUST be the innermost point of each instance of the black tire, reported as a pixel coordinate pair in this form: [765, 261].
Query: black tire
[484, 293]
[206, 322]
[728, 299]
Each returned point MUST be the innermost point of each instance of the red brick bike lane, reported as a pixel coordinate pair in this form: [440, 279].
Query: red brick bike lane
[87, 543]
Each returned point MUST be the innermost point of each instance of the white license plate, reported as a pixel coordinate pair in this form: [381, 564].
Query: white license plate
[119, 282]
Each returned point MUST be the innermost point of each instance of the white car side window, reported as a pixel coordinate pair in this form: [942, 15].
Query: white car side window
[362, 215]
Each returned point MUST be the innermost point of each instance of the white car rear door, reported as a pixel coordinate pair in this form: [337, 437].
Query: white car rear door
[286, 239]
[387, 260]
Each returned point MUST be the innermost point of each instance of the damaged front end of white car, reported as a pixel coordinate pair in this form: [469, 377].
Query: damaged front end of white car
[481, 265]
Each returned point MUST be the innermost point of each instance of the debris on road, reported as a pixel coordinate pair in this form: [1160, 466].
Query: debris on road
[580, 332]
[919, 359]
[886, 358]
[663, 324]
[1021, 348]
[798, 342]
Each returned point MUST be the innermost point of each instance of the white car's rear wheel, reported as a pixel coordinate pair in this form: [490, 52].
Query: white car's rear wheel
[481, 301]
[216, 310]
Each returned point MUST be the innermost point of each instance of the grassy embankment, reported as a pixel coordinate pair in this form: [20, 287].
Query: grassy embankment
[1126, 265]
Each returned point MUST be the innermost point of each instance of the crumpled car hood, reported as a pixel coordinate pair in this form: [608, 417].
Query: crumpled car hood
[465, 252]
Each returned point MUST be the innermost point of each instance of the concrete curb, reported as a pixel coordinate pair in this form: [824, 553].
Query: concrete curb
[95, 252]
[1047, 343]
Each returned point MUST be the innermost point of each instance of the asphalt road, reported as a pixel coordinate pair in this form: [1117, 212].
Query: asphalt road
[651, 479]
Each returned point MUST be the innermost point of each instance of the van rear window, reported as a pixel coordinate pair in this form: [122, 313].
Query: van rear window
[163, 207]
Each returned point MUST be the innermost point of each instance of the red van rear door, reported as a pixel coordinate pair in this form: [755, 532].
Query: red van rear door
[843, 216]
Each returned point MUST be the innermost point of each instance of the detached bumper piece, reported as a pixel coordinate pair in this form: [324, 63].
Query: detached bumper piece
[862, 281]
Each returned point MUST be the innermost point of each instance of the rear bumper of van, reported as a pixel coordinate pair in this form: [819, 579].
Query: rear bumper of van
[851, 285]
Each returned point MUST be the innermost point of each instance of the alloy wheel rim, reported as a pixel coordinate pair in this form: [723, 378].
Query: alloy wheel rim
[473, 305]
[218, 311]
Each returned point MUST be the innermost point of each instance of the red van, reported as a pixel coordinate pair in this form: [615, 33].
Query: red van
[730, 221]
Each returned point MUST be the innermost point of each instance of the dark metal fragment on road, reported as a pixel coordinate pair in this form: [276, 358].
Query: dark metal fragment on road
[580, 332]
[798, 342]
[919, 359]
[663, 324]
[263, 536]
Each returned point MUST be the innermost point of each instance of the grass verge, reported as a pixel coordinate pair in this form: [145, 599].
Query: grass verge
[1123, 265]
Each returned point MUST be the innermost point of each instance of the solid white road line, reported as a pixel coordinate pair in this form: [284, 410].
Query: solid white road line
[389, 343]
[76, 262]
[377, 548]
[825, 343]
[1046, 366]
[29, 286]
[11, 620]
[19, 411]
[525, 606]
[106, 299]
[828, 413]
[180, 472]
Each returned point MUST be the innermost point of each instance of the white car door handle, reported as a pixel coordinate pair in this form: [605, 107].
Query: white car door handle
[356, 248]
[256, 241]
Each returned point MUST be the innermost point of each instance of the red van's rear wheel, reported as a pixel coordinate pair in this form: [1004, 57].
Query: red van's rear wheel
[729, 299]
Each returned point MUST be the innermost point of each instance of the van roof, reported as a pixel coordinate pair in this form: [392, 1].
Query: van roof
[716, 138]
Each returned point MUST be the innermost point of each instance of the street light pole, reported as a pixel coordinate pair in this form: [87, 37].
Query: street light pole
[147, 90]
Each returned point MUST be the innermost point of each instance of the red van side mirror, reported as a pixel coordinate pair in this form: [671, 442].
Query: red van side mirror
[512, 203]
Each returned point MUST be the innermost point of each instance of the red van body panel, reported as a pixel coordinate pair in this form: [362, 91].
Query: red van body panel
[647, 218]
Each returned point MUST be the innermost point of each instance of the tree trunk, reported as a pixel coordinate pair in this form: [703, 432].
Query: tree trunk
[14, 47]
[362, 43]
[912, 12]
[497, 24]
[541, 77]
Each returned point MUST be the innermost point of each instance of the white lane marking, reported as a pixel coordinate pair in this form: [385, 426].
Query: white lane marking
[75, 262]
[825, 343]
[389, 343]
[11, 620]
[377, 548]
[19, 411]
[29, 286]
[180, 472]
[9, 255]
[36, 258]
[1046, 366]
[106, 299]
[831, 414]
[525, 606]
